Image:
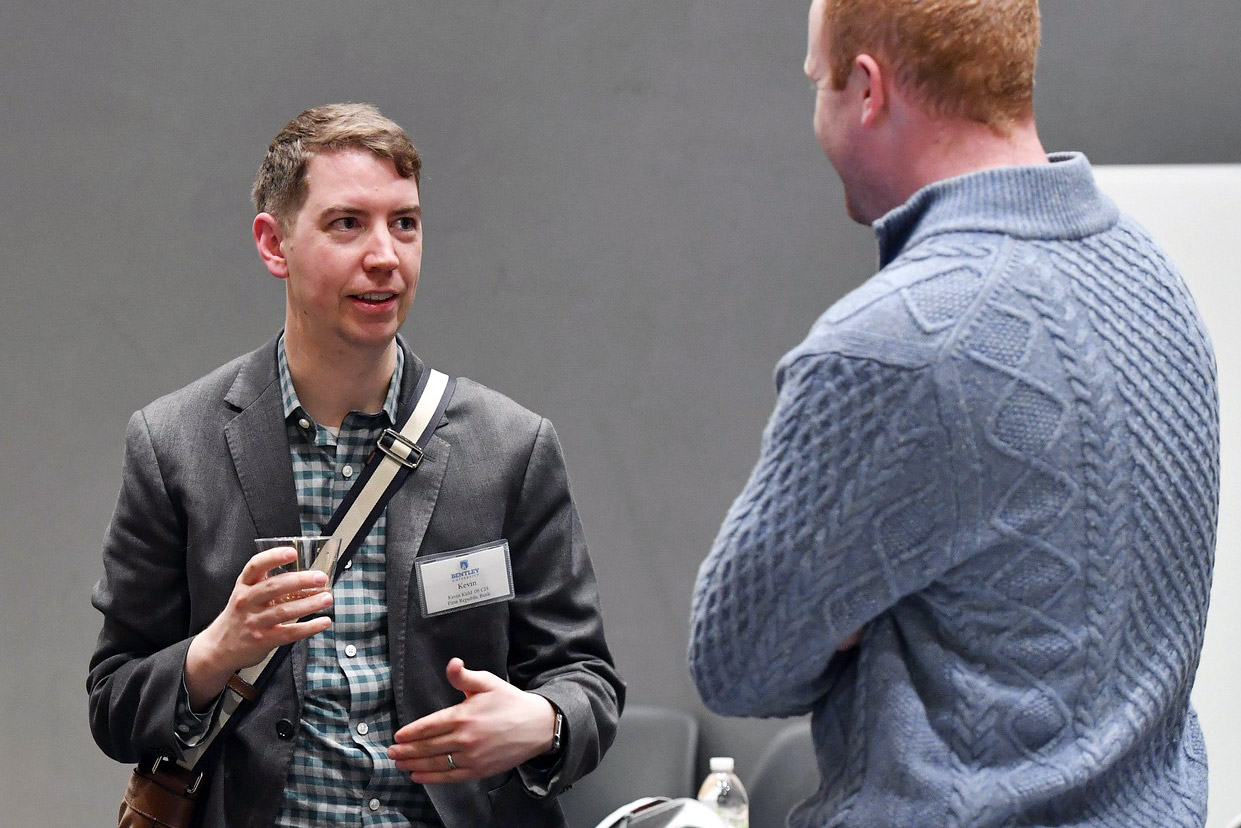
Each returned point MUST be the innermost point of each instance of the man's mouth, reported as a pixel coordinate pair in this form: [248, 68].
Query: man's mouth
[374, 298]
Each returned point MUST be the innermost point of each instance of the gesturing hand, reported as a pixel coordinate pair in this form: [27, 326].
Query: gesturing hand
[496, 727]
[255, 621]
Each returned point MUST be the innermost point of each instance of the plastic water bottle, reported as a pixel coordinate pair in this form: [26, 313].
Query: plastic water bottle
[723, 793]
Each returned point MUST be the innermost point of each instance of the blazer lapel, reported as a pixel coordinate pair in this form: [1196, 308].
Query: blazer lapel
[259, 444]
[409, 513]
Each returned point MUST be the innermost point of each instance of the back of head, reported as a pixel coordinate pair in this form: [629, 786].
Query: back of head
[968, 59]
[280, 187]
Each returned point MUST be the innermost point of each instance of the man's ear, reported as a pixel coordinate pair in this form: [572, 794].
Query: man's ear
[873, 81]
[269, 238]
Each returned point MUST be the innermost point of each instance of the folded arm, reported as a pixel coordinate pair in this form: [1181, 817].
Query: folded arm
[827, 534]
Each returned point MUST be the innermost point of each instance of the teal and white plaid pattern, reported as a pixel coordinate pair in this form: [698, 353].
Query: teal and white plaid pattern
[341, 773]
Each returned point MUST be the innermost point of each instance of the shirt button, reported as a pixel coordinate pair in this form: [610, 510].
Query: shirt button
[373, 804]
[351, 650]
[347, 472]
[349, 564]
[304, 423]
[363, 728]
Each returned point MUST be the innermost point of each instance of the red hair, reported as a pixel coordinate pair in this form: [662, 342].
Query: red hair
[970, 59]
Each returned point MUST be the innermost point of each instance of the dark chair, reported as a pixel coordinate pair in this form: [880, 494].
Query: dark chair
[785, 774]
[654, 755]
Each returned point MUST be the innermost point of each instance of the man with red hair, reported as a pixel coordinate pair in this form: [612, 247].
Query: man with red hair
[977, 545]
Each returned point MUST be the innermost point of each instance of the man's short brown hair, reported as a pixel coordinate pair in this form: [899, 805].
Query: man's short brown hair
[971, 59]
[280, 187]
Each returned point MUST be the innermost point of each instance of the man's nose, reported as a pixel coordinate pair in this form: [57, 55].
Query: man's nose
[381, 251]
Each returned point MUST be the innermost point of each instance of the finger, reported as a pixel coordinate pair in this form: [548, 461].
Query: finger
[460, 774]
[423, 749]
[278, 587]
[437, 764]
[470, 682]
[282, 634]
[297, 630]
[282, 610]
[306, 604]
[257, 567]
[437, 770]
[263, 619]
[439, 723]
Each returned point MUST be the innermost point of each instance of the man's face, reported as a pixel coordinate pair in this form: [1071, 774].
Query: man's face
[818, 69]
[353, 253]
[834, 112]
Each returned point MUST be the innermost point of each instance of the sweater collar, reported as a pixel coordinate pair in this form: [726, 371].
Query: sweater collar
[1057, 200]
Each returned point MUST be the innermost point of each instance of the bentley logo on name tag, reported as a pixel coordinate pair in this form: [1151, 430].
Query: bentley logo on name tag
[465, 578]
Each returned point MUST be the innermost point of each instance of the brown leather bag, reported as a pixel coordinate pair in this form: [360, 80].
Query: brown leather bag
[162, 797]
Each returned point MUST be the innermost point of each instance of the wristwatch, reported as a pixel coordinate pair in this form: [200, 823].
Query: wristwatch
[557, 733]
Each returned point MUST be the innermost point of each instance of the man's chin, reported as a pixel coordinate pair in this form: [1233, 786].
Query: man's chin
[372, 338]
[855, 213]
[859, 213]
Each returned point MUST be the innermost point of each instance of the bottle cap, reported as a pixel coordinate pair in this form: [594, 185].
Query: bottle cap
[721, 764]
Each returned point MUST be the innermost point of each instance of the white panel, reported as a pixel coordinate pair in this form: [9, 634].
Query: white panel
[1194, 212]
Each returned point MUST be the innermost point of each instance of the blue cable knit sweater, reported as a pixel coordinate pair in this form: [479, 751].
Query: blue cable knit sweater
[998, 458]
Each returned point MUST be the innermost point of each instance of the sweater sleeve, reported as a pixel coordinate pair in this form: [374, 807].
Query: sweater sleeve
[848, 510]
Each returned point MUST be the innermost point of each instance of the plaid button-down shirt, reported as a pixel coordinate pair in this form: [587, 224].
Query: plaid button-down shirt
[341, 773]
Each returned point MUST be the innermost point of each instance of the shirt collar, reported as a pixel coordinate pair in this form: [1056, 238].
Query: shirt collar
[1057, 200]
[289, 394]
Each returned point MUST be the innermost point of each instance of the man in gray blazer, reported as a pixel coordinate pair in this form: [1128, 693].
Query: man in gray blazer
[384, 714]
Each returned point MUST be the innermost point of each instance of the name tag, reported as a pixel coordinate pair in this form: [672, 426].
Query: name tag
[472, 577]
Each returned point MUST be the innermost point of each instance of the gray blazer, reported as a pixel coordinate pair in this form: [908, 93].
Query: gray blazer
[207, 470]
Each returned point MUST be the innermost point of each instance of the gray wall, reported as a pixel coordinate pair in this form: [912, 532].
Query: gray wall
[628, 222]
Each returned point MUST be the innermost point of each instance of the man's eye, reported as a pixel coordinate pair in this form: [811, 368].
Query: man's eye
[406, 224]
[346, 223]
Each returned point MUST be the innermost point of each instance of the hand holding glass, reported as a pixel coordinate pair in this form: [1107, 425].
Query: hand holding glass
[308, 549]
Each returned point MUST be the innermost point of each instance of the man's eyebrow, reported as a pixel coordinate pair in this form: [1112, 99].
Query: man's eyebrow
[342, 210]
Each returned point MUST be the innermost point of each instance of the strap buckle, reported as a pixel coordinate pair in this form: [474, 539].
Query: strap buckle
[178, 771]
[400, 448]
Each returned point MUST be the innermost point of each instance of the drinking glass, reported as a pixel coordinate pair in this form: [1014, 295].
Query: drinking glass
[308, 548]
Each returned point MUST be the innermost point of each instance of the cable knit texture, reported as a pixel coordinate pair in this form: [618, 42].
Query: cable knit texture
[998, 458]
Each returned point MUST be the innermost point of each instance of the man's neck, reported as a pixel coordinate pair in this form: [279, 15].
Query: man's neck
[331, 383]
[951, 148]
